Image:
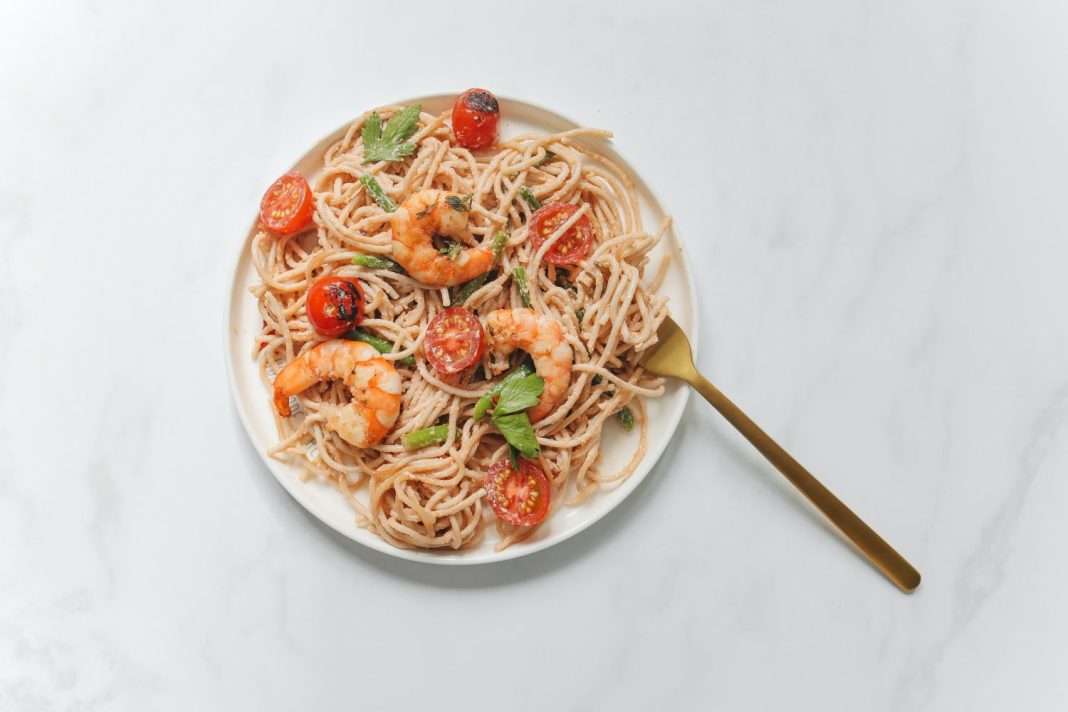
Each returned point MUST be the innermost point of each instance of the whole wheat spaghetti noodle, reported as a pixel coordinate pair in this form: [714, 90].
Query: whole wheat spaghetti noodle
[609, 313]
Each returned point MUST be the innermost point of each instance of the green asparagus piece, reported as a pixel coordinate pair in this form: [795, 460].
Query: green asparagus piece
[377, 194]
[375, 262]
[520, 276]
[470, 287]
[498, 243]
[525, 193]
[427, 436]
[473, 285]
[380, 344]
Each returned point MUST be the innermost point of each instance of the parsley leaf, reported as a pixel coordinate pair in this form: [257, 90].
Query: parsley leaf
[510, 417]
[517, 430]
[486, 401]
[452, 250]
[625, 418]
[519, 394]
[549, 155]
[460, 204]
[596, 380]
[387, 144]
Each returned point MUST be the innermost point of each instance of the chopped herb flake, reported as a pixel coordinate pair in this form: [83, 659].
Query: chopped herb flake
[460, 204]
[452, 249]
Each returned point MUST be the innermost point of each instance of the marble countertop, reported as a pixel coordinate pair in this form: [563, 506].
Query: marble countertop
[875, 197]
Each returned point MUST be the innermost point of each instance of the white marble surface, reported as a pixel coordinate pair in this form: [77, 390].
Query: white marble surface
[876, 197]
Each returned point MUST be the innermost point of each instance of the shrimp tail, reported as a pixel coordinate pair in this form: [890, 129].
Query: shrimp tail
[281, 404]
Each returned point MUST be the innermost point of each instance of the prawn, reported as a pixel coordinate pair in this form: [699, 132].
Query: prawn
[417, 221]
[374, 382]
[541, 337]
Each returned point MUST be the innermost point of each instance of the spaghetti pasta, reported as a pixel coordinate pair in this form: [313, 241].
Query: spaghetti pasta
[433, 497]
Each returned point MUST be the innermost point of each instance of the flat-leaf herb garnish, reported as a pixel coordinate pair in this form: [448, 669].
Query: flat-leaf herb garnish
[519, 433]
[388, 143]
[518, 392]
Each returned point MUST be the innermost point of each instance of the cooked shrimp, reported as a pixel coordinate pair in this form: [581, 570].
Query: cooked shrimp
[374, 382]
[415, 223]
[541, 337]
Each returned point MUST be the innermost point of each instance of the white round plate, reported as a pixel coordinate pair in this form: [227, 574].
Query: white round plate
[322, 500]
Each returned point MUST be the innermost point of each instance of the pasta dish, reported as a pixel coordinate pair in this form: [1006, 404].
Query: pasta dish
[451, 318]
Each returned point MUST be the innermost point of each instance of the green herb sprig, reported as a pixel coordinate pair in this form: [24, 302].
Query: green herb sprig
[388, 143]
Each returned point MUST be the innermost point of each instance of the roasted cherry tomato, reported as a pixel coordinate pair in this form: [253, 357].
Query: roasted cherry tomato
[454, 340]
[335, 305]
[474, 118]
[572, 245]
[287, 206]
[519, 497]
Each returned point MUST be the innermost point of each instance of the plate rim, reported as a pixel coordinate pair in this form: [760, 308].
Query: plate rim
[298, 490]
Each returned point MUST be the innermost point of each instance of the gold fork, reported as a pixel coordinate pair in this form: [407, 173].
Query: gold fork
[672, 357]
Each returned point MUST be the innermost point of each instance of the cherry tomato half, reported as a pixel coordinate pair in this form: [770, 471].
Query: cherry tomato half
[518, 497]
[287, 206]
[572, 245]
[474, 118]
[335, 305]
[454, 340]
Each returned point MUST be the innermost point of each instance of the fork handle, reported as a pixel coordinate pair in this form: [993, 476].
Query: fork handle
[882, 555]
